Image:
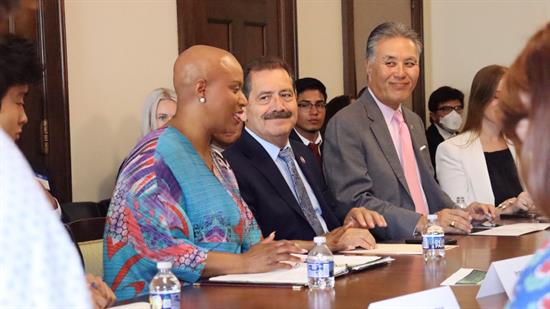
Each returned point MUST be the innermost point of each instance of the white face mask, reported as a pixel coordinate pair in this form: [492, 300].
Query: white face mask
[452, 121]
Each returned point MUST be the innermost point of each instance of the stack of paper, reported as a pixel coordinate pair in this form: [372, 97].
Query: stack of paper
[514, 229]
[393, 249]
[298, 274]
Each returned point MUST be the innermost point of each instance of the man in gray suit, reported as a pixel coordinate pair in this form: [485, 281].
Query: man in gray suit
[376, 154]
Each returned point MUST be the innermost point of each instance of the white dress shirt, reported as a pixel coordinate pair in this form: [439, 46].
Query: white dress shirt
[273, 152]
[318, 140]
[40, 267]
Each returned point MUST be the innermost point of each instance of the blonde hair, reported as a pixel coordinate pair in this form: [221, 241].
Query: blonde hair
[149, 119]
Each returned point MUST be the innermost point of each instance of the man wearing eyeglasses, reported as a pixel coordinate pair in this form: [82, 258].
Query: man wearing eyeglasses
[445, 105]
[312, 98]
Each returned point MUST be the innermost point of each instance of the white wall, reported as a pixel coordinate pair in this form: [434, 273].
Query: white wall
[462, 36]
[117, 51]
[320, 52]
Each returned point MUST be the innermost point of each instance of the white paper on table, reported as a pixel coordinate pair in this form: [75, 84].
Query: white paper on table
[139, 305]
[516, 229]
[294, 276]
[502, 276]
[457, 276]
[385, 249]
[438, 298]
[298, 274]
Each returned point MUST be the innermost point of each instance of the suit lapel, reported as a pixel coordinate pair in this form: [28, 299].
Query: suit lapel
[261, 160]
[382, 134]
[303, 163]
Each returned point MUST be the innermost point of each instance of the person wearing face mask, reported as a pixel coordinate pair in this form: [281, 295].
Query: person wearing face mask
[446, 105]
[480, 163]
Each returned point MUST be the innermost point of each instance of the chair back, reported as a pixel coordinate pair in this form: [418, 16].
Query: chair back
[88, 233]
[80, 210]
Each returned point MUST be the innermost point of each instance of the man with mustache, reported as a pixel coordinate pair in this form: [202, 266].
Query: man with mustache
[279, 178]
[375, 152]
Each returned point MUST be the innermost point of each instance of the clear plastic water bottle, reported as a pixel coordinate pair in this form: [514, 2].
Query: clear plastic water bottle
[433, 240]
[460, 202]
[320, 265]
[165, 288]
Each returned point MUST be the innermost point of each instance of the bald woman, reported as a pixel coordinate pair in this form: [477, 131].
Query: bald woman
[175, 201]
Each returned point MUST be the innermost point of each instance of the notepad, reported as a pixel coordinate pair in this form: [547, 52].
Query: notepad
[516, 229]
[391, 249]
[297, 276]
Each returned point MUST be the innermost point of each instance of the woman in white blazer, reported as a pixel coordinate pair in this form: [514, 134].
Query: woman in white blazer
[479, 164]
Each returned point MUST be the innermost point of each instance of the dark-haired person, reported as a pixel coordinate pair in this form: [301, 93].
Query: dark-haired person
[526, 107]
[20, 69]
[375, 152]
[479, 164]
[278, 177]
[446, 105]
[312, 98]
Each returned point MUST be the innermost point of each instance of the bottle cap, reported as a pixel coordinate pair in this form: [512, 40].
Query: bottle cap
[164, 265]
[318, 240]
[432, 217]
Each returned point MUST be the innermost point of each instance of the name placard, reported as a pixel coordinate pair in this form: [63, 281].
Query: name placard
[438, 298]
[502, 276]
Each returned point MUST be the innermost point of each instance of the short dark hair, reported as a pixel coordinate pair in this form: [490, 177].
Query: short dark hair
[19, 63]
[310, 83]
[444, 94]
[264, 63]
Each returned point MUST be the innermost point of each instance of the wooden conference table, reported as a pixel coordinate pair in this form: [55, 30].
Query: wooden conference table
[407, 274]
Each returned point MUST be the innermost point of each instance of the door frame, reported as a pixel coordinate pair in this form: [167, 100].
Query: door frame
[287, 28]
[348, 41]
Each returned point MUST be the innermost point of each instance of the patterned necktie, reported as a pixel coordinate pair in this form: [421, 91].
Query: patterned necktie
[316, 152]
[303, 199]
[408, 161]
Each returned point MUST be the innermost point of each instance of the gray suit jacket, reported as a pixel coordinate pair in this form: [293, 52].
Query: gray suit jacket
[362, 167]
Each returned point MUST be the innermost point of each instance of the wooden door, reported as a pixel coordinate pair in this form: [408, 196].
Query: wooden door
[246, 28]
[45, 138]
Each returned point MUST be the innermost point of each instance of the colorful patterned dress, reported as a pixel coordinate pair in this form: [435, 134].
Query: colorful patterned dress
[168, 206]
[533, 287]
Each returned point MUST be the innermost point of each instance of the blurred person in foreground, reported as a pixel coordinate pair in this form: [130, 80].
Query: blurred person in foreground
[526, 107]
[19, 69]
[176, 201]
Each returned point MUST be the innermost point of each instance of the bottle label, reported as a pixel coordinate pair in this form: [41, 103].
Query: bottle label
[320, 269]
[433, 242]
[164, 300]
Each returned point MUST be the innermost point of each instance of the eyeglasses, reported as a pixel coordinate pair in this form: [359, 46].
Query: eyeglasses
[448, 109]
[318, 105]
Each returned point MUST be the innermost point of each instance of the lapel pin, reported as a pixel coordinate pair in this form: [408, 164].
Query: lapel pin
[302, 160]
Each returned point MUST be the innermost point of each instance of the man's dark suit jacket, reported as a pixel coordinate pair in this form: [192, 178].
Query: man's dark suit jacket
[266, 192]
[434, 139]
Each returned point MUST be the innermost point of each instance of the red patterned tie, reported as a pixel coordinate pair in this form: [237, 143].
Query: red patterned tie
[408, 161]
[316, 152]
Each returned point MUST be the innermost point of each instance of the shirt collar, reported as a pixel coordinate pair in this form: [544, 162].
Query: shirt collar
[306, 141]
[271, 149]
[444, 133]
[387, 111]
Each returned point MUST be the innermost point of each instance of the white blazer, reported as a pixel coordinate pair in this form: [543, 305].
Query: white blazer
[462, 170]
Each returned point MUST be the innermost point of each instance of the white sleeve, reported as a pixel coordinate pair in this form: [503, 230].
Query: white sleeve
[451, 174]
[40, 265]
